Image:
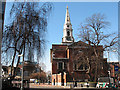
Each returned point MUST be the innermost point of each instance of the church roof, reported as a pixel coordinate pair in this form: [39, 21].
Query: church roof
[79, 43]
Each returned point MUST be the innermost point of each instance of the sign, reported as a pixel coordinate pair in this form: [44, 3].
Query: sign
[116, 68]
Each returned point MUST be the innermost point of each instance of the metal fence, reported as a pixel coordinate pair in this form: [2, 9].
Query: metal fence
[18, 84]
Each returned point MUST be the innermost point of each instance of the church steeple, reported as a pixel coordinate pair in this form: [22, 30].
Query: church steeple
[67, 31]
[67, 18]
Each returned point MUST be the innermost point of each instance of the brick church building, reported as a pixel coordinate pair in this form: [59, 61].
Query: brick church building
[70, 59]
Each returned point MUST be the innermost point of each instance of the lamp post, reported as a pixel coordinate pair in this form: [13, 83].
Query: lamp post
[22, 72]
[108, 56]
[109, 77]
[109, 63]
[109, 52]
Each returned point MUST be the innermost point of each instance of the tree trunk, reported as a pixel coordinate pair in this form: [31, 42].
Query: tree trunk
[96, 62]
[14, 74]
[12, 67]
[95, 78]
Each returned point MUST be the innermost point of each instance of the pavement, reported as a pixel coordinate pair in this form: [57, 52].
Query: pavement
[32, 85]
[45, 86]
[51, 87]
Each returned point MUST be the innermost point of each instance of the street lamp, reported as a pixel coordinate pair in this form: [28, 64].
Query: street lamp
[108, 56]
[109, 52]
[109, 63]
[22, 72]
[109, 77]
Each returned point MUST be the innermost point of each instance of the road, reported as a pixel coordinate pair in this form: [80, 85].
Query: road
[33, 86]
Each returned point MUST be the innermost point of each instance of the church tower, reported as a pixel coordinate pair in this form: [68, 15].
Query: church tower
[67, 31]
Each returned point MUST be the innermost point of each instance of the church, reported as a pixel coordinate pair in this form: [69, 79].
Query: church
[71, 61]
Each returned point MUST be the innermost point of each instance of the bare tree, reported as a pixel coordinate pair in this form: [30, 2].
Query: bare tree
[40, 76]
[26, 33]
[92, 33]
[49, 76]
[43, 66]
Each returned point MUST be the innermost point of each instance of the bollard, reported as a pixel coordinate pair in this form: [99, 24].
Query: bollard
[71, 87]
[87, 85]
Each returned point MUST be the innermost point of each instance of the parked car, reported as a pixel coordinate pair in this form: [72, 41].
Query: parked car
[102, 85]
[103, 82]
[32, 80]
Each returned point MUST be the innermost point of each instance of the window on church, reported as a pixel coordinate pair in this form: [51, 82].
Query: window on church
[60, 65]
[65, 65]
[68, 33]
[80, 67]
[75, 67]
[86, 67]
[67, 25]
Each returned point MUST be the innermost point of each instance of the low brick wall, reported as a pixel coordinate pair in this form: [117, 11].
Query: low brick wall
[81, 84]
[18, 84]
[57, 79]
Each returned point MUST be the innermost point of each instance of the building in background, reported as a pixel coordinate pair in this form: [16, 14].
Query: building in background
[114, 71]
[69, 59]
[4, 71]
[29, 68]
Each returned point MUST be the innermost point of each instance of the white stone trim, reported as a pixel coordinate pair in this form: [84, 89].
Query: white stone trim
[63, 65]
[68, 66]
[52, 83]
[59, 83]
[65, 84]
[56, 83]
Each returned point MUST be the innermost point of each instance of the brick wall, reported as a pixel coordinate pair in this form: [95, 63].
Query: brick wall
[62, 52]
[59, 79]
[65, 81]
[56, 79]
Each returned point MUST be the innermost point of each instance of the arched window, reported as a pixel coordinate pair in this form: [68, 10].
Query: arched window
[68, 33]
[80, 67]
[75, 66]
[86, 67]
[60, 65]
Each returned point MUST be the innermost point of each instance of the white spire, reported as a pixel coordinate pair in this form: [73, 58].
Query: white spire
[67, 31]
[67, 18]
